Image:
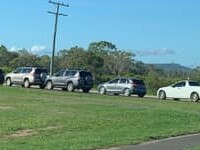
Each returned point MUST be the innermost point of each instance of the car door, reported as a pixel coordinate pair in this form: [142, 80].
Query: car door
[122, 85]
[17, 75]
[65, 77]
[58, 78]
[24, 74]
[178, 90]
[112, 85]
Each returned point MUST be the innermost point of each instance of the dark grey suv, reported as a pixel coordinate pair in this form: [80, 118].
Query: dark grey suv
[71, 79]
[126, 86]
[1, 76]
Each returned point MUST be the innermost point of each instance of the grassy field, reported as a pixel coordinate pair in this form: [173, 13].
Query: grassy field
[33, 119]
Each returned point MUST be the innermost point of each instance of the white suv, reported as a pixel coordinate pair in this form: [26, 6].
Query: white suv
[27, 76]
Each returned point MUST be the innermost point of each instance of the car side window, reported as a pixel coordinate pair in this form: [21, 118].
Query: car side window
[123, 81]
[114, 81]
[193, 83]
[179, 84]
[18, 70]
[66, 73]
[26, 70]
[60, 73]
[72, 73]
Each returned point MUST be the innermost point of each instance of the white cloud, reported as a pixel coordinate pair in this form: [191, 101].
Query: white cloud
[155, 52]
[14, 49]
[37, 49]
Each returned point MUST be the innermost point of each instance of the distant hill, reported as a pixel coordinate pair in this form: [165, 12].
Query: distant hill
[172, 67]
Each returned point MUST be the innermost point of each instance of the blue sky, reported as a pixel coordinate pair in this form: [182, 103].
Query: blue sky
[157, 31]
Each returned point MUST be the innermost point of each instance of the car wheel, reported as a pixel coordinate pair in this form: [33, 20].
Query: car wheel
[26, 83]
[41, 86]
[127, 92]
[64, 89]
[8, 82]
[102, 91]
[162, 95]
[86, 90]
[70, 87]
[194, 97]
[116, 94]
[49, 85]
[141, 95]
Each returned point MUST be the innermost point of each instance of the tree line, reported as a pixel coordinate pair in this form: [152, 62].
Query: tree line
[102, 58]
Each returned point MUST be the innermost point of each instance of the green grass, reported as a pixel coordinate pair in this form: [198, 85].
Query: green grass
[196, 148]
[33, 119]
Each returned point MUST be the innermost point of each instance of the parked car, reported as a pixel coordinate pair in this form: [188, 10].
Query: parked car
[1, 77]
[182, 89]
[71, 79]
[126, 86]
[27, 76]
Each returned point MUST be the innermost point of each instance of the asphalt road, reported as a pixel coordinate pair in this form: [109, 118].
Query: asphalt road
[187, 142]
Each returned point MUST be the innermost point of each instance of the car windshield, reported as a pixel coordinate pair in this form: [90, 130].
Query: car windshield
[194, 83]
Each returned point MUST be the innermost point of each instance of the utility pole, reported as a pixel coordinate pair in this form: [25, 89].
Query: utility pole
[58, 4]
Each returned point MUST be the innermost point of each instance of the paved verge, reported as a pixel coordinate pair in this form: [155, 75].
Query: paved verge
[177, 143]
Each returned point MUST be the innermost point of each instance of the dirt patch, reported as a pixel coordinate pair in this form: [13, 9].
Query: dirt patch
[30, 132]
[22, 133]
[6, 108]
[50, 128]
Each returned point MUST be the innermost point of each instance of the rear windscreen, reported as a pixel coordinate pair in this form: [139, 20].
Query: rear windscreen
[139, 82]
[85, 74]
[39, 71]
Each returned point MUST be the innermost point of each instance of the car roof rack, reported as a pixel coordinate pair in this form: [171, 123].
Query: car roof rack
[76, 69]
[35, 66]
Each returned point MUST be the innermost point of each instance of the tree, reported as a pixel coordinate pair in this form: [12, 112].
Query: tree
[6, 56]
[101, 47]
[75, 57]
[115, 61]
[44, 61]
[24, 58]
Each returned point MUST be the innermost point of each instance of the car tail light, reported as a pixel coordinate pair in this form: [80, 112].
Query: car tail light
[32, 73]
[77, 76]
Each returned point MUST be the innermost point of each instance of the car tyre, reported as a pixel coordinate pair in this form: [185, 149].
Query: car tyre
[162, 95]
[194, 97]
[49, 85]
[41, 86]
[70, 87]
[102, 91]
[127, 92]
[116, 94]
[64, 89]
[86, 90]
[141, 95]
[8, 82]
[26, 83]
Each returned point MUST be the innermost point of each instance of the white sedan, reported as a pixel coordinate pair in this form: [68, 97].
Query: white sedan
[182, 89]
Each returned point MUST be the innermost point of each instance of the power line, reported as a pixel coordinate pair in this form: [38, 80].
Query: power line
[58, 4]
